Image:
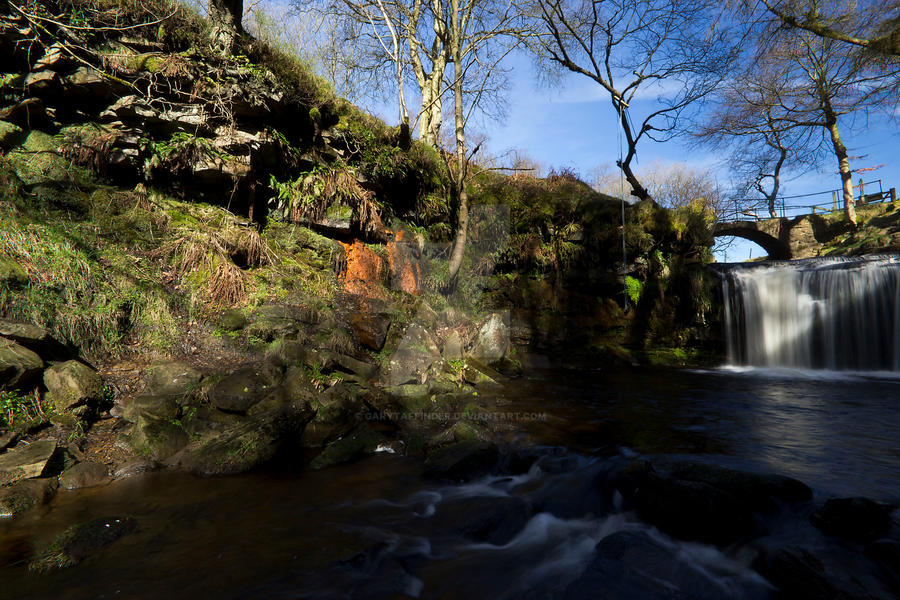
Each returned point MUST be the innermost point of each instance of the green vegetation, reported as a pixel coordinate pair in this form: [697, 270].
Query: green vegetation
[18, 411]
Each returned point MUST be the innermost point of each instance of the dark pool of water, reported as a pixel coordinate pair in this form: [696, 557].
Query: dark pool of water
[376, 529]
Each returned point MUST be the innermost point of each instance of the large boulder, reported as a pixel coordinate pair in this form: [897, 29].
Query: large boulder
[72, 385]
[26, 461]
[243, 388]
[371, 328]
[359, 442]
[462, 461]
[249, 443]
[689, 510]
[19, 366]
[492, 340]
[81, 541]
[415, 357]
[25, 495]
[172, 378]
[159, 407]
[157, 439]
[856, 519]
[84, 474]
[29, 335]
[495, 520]
[336, 412]
[632, 564]
[757, 490]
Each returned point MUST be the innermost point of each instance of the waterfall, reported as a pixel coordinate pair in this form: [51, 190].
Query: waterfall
[824, 313]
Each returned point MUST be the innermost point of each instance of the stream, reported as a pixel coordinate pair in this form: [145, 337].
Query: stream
[377, 529]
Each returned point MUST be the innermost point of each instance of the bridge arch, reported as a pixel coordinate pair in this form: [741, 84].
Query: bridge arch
[749, 230]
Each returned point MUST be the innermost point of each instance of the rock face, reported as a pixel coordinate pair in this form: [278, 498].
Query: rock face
[371, 328]
[73, 385]
[492, 341]
[26, 461]
[19, 366]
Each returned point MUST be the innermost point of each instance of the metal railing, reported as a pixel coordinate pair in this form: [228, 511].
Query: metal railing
[755, 209]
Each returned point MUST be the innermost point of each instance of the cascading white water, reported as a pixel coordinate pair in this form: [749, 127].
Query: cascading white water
[839, 313]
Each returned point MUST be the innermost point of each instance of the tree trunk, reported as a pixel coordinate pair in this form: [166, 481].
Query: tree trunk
[225, 18]
[846, 174]
[462, 221]
[776, 182]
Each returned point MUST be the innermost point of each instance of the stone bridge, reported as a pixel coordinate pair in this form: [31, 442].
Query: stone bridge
[783, 238]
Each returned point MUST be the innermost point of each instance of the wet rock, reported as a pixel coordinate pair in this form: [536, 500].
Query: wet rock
[856, 519]
[453, 346]
[135, 466]
[754, 489]
[242, 389]
[408, 391]
[26, 461]
[798, 574]
[492, 340]
[233, 319]
[25, 495]
[631, 564]
[494, 520]
[690, 510]
[362, 440]
[81, 541]
[245, 445]
[462, 461]
[19, 366]
[84, 474]
[157, 439]
[371, 329]
[172, 378]
[73, 385]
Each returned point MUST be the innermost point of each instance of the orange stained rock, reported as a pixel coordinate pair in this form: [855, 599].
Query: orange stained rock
[366, 271]
[403, 258]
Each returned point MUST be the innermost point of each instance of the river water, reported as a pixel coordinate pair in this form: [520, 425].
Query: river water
[377, 529]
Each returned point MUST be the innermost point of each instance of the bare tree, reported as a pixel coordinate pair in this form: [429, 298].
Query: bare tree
[810, 88]
[480, 34]
[635, 48]
[870, 24]
[751, 117]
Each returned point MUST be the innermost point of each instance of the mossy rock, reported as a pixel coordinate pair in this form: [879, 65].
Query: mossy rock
[38, 161]
[358, 442]
[157, 439]
[25, 495]
[11, 135]
[81, 541]
[73, 385]
[233, 319]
